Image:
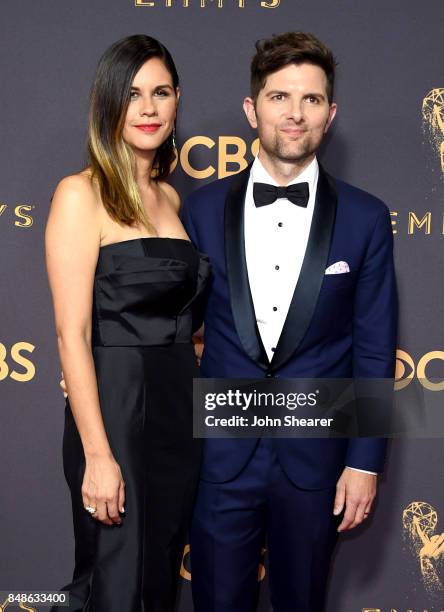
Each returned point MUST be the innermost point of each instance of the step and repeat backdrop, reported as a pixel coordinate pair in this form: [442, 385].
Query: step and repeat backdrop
[388, 139]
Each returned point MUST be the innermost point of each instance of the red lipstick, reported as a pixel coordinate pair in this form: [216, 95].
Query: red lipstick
[149, 128]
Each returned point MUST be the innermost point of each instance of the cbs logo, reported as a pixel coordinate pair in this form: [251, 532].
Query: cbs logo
[186, 574]
[21, 212]
[229, 151]
[406, 370]
[15, 357]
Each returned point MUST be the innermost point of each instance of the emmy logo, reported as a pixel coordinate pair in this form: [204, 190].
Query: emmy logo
[419, 520]
[20, 606]
[23, 215]
[267, 4]
[433, 117]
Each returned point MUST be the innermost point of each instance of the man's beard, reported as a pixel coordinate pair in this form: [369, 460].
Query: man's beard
[290, 152]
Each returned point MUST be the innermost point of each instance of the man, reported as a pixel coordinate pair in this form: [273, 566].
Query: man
[303, 287]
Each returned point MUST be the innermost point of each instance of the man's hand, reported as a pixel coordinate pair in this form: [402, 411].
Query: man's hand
[356, 491]
[198, 342]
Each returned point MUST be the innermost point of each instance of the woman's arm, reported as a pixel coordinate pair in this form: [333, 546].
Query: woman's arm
[72, 247]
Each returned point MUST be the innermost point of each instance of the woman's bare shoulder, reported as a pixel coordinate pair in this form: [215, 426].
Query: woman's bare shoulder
[171, 194]
[78, 188]
[76, 211]
[74, 182]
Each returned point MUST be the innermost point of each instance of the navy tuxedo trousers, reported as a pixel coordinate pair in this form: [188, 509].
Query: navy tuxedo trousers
[259, 508]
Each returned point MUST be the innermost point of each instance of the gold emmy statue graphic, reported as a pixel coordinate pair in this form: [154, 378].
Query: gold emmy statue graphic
[20, 606]
[433, 117]
[419, 520]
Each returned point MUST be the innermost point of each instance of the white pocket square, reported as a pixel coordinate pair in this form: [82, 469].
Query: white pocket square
[340, 267]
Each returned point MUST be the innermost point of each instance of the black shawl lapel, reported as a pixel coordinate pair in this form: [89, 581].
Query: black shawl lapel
[240, 295]
[310, 279]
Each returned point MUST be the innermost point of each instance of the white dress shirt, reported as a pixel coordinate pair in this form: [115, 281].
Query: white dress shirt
[276, 238]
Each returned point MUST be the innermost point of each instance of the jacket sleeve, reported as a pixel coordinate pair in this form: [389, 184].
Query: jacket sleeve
[187, 220]
[375, 322]
[199, 306]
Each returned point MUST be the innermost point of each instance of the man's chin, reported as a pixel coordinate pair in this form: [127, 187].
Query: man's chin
[293, 157]
[293, 153]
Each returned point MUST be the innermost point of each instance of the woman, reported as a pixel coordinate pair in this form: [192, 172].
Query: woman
[126, 283]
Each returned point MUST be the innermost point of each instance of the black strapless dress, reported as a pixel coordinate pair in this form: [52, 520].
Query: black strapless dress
[146, 292]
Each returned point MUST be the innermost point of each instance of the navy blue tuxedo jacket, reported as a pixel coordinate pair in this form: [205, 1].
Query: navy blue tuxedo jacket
[338, 325]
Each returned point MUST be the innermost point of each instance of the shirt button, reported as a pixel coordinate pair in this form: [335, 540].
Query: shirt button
[276, 267]
[269, 375]
[280, 224]
[274, 308]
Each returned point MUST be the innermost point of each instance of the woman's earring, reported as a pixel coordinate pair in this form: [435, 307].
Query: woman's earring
[174, 138]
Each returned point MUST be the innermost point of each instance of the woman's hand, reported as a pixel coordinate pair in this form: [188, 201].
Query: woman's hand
[62, 384]
[103, 488]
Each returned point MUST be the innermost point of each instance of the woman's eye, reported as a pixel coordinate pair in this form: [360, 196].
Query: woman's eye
[160, 93]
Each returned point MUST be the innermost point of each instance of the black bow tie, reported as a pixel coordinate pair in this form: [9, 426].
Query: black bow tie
[265, 194]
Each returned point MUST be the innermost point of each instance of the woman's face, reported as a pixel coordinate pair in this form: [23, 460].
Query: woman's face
[152, 108]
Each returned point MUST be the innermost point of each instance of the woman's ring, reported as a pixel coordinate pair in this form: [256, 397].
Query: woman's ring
[90, 509]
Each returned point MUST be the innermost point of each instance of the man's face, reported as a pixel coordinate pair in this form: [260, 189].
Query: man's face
[292, 113]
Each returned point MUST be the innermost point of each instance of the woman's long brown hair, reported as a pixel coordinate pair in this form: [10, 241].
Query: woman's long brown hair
[111, 159]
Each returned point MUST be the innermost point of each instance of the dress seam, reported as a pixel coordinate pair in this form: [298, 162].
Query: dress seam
[144, 502]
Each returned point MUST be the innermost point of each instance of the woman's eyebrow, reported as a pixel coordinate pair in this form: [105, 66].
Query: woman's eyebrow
[156, 87]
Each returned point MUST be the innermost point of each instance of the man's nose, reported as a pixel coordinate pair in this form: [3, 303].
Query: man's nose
[297, 110]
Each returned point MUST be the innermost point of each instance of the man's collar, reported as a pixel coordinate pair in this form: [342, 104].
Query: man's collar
[309, 174]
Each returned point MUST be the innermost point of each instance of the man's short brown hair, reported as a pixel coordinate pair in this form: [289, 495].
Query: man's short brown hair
[281, 50]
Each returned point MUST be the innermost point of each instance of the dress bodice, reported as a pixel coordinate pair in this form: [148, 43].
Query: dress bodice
[147, 291]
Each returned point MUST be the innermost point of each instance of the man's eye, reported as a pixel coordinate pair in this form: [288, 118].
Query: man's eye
[278, 97]
[312, 99]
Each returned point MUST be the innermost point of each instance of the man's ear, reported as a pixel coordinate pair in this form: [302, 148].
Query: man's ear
[250, 111]
[331, 116]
